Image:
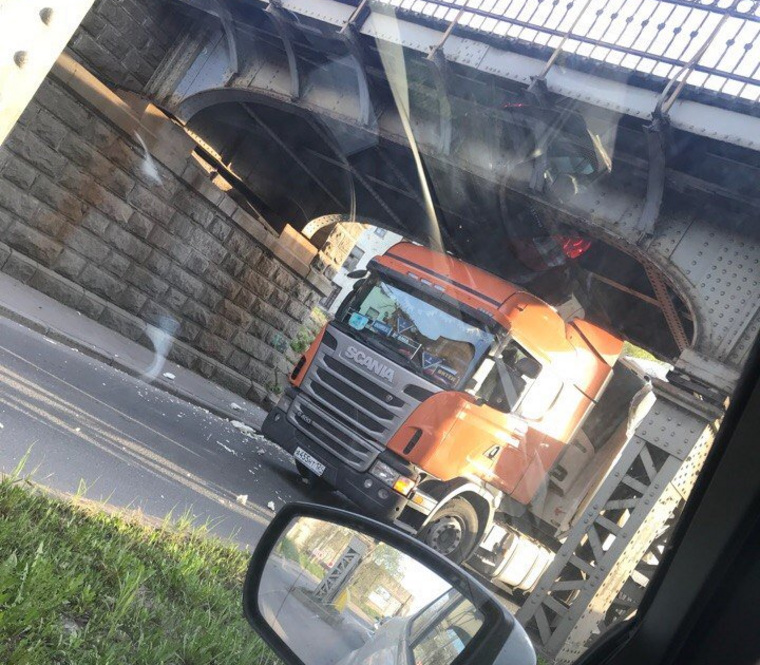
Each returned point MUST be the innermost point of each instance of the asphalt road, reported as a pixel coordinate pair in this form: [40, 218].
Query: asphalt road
[87, 425]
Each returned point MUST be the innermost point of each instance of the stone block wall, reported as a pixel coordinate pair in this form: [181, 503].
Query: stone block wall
[133, 242]
[125, 40]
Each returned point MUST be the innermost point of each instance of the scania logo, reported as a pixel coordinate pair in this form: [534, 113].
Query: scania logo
[372, 364]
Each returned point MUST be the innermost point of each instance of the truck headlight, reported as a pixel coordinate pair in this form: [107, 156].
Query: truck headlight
[382, 471]
[404, 485]
[392, 478]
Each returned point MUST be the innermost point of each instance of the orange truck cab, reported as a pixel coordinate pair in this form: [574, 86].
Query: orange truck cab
[441, 391]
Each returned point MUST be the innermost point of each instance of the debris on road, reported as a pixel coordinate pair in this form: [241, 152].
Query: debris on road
[271, 506]
[242, 427]
[227, 448]
[242, 499]
[170, 376]
[236, 407]
[261, 451]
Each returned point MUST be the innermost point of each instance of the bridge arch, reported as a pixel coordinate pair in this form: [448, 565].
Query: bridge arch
[318, 229]
[373, 175]
[306, 178]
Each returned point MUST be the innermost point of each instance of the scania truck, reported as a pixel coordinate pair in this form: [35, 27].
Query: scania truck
[460, 407]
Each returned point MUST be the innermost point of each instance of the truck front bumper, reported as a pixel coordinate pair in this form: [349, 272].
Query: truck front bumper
[360, 487]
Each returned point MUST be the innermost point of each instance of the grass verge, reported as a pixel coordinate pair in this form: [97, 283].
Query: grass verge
[80, 586]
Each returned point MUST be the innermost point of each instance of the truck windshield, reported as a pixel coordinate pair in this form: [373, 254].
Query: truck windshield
[435, 340]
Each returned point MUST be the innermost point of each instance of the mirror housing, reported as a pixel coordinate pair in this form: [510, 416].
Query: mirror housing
[528, 367]
[358, 274]
[499, 639]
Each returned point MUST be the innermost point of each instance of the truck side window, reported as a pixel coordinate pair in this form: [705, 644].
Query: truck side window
[512, 373]
[542, 394]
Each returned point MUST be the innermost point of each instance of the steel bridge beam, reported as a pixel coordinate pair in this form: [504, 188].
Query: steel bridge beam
[656, 469]
[351, 35]
[282, 25]
[221, 10]
[609, 208]
[490, 59]
[33, 36]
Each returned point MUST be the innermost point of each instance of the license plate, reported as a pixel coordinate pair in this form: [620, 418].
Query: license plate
[309, 462]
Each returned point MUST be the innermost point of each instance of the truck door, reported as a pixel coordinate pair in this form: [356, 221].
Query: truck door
[503, 382]
[551, 411]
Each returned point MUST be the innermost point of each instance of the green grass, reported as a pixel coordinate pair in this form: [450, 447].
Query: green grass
[81, 586]
[307, 563]
[288, 549]
[637, 352]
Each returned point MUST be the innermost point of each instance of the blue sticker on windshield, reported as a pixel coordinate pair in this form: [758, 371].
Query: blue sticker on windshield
[357, 321]
[382, 328]
[429, 361]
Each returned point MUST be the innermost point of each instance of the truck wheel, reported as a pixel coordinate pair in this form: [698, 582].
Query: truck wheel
[313, 480]
[453, 531]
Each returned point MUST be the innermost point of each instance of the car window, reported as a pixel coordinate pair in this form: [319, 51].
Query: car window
[486, 270]
[430, 614]
[543, 392]
[449, 635]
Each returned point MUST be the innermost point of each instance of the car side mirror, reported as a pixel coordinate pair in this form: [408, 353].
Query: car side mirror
[528, 367]
[329, 587]
[357, 274]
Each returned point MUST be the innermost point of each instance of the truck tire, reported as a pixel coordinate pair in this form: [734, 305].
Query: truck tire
[453, 531]
[313, 480]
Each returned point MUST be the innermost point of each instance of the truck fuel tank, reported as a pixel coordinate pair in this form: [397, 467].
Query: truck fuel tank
[511, 559]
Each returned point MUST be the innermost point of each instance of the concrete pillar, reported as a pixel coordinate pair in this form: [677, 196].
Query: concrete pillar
[33, 33]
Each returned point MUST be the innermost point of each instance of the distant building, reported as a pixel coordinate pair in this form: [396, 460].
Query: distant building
[371, 242]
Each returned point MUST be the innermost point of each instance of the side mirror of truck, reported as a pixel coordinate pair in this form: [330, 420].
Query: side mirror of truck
[528, 367]
[326, 586]
[357, 274]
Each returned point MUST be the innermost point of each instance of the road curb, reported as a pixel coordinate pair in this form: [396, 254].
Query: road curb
[96, 353]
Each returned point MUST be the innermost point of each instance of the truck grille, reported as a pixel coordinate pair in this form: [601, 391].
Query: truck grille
[348, 410]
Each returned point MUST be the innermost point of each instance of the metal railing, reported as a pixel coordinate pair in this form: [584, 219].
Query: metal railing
[713, 45]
